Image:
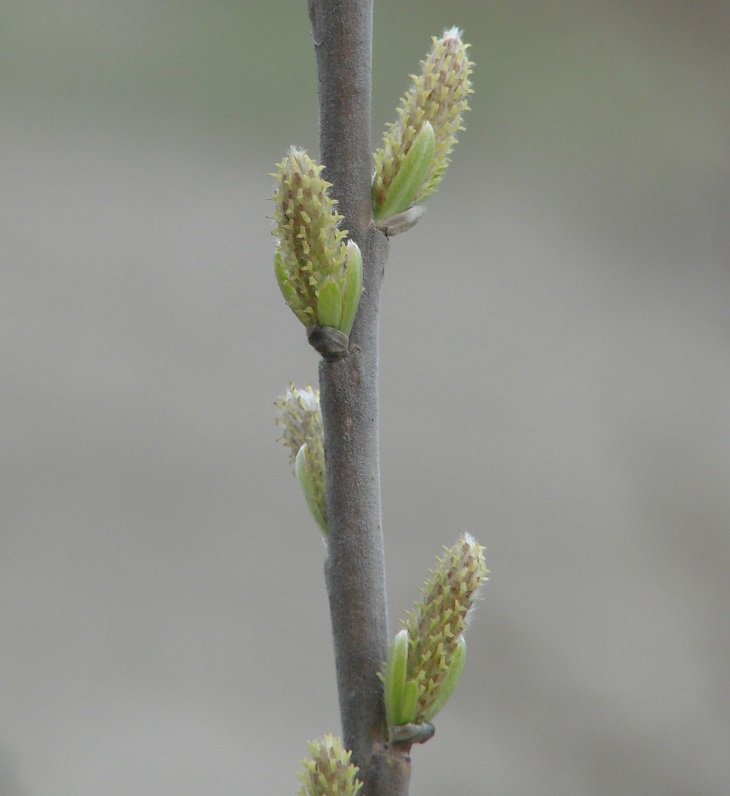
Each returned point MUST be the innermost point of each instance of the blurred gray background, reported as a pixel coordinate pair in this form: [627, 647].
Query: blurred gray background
[555, 380]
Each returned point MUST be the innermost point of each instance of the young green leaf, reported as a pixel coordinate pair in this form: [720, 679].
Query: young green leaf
[353, 287]
[410, 178]
[407, 714]
[395, 677]
[313, 492]
[329, 304]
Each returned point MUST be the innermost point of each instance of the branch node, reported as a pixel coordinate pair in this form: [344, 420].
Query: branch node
[331, 343]
[412, 733]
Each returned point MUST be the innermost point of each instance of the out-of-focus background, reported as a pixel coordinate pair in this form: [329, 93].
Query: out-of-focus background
[555, 379]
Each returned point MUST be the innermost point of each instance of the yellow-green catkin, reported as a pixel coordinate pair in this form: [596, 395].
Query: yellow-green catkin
[329, 771]
[301, 420]
[439, 95]
[440, 618]
[311, 249]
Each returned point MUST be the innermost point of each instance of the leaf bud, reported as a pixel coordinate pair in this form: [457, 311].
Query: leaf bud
[433, 634]
[438, 97]
[301, 419]
[312, 259]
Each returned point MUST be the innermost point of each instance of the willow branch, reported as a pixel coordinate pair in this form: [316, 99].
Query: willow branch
[355, 567]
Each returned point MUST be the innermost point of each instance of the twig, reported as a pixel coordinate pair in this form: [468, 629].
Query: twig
[355, 567]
